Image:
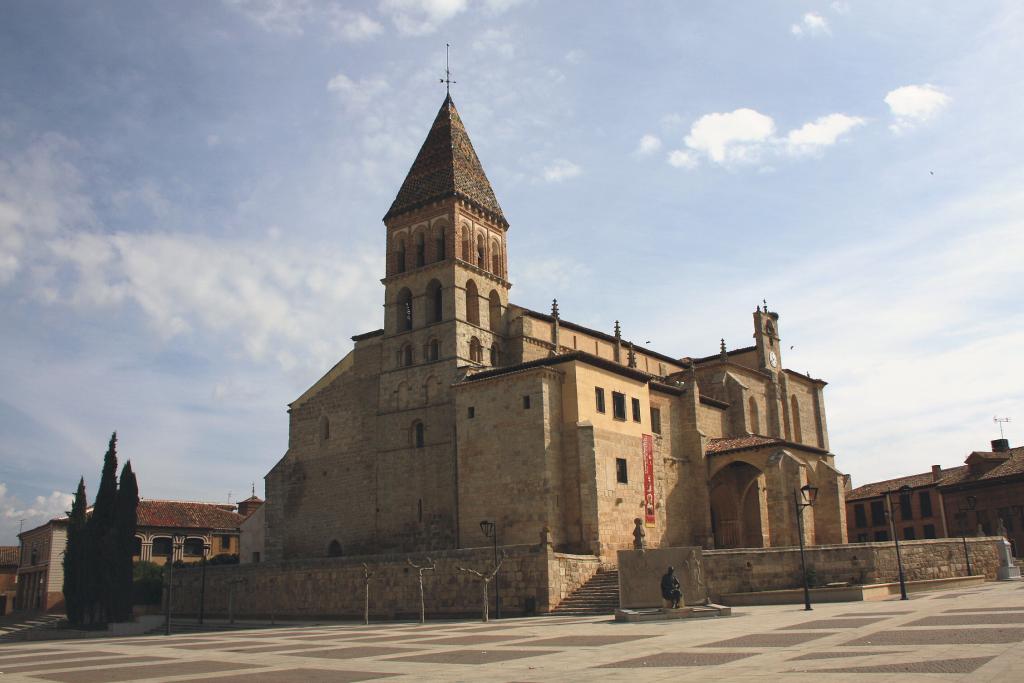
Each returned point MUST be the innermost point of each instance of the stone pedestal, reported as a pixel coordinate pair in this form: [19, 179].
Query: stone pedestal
[1008, 569]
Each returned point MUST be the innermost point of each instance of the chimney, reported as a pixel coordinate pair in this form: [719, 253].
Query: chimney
[1000, 445]
[249, 505]
[936, 472]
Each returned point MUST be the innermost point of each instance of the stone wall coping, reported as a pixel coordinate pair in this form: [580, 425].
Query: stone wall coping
[850, 546]
[570, 556]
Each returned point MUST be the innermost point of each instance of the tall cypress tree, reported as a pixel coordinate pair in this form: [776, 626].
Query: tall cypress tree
[101, 538]
[124, 543]
[75, 558]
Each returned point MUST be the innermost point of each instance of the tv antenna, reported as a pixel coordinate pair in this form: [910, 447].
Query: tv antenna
[1000, 421]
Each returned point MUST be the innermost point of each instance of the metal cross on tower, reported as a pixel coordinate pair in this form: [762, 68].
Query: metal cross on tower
[1000, 421]
[447, 80]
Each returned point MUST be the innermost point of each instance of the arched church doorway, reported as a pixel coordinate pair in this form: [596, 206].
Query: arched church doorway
[738, 506]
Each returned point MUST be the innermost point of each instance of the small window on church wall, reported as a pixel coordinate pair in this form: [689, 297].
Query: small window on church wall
[407, 355]
[434, 350]
[656, 420]
[421, 251]
[476, 351]
[470, 412]
[636, 409]
[621, 473]
[618, 405]
[495, 258]
[797, 431]
[325, 428]
[526, 402]
[472, 303]
[495, 355]
[400, 257]
[467, 247]
[334, 549]
[755, 417]
[599, 399]
[417, 434]
[481, 253]
[494, 311]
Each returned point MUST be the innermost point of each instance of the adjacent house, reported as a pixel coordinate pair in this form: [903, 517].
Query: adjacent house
[8, 578]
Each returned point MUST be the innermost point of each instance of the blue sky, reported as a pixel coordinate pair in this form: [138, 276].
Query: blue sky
[191, 195]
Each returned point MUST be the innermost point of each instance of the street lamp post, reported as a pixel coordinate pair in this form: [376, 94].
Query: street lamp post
[490, 530]
[971, 503]
[202, 585]
[170, 583]
[896, 539]
[804, 498]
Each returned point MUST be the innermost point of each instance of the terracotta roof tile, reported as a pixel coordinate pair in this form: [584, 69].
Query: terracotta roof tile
[446, 166]
[1013, 464]
[913, 481]
[739, 443]
[187, 515]
[9, 555]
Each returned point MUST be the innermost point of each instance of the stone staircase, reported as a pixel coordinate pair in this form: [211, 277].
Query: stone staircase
[599, 595]
[28, 627]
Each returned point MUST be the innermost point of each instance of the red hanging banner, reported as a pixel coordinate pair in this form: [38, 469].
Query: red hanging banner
[647, 445]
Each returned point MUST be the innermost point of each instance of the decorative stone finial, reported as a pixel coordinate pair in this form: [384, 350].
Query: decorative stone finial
[765, 302]
[554, 308]
[721, 350]
[618, 330]
[631, 357]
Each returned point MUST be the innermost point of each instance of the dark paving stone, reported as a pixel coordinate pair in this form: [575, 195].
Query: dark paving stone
[932, 666]
[171, 641]
[582, 641]
[872, 614]
[970, 619]
[51, 656]
[278, 648]
[397, 638]
[128, 673]
[340, 635]
[298, 676]
[481, 639]
[832, 623]
[357, 652]
[950, 596]
[847, 653]
[1008, 608]
[224, 645]
[472, 656]
[950, 636]
[77, 662]
[668, 659]
[768, 640]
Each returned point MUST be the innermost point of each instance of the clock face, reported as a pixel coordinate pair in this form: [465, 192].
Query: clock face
[773, 360]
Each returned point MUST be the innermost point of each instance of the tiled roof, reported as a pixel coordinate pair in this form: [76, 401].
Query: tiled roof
[739, 443]
[1012, 465]
[9, 555]
[913, 481]
[446, 166]
[187, 515]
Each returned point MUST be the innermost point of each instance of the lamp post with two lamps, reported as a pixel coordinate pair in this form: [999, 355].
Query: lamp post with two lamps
[804, 498]
[490, 530]
[202, 585]
[903, 490]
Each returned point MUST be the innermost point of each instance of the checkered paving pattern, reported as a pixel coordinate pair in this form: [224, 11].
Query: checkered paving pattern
[975, 634]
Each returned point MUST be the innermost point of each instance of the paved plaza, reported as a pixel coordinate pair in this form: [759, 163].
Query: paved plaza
[950, 636]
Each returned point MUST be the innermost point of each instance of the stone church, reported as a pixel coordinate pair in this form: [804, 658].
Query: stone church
[466, 407]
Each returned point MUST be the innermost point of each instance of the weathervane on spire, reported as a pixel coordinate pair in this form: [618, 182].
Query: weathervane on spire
[447, 80]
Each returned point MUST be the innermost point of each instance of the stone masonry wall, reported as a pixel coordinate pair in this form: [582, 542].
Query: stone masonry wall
[569, 573]
[334, 587]
[759, 569]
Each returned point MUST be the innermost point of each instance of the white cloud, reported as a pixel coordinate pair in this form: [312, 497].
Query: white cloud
[498, 6]
[560, 170]
[812, 24]
[915, 104]
[352, 26]
[275, 16]
[840, 7]
[731, 137]
[496, 41]
[39, 511]
[648, 144]
[575, 56]
[357, 93]
[820, 133]
[419, 17]
[681, 159]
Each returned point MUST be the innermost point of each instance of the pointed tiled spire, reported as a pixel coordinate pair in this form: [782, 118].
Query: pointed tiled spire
[446, 166]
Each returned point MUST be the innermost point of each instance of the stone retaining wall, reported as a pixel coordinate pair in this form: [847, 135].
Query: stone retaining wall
[761, 569]
[334, 587]
[569, 573]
